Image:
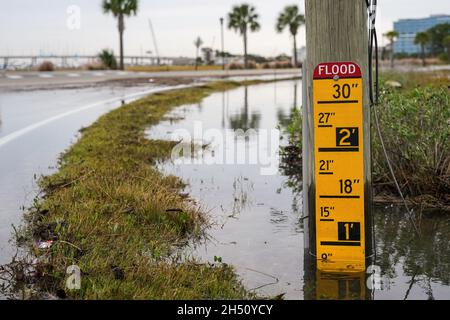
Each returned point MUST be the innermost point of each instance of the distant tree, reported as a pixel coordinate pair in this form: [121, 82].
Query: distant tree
[224, 54]
[107, 58]
[282, 57]
[422, 39]
[243, 18]
[198, 43]
[120, 9]
[392, 36]
[291, 18]
[257, 58]
[446, 43]
[437, 35]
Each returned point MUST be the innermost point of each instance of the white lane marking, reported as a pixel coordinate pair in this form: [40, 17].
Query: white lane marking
[45, 75]
[24, 131]
[98, 74]
[122, 73]
[73, 75]
[13, 77]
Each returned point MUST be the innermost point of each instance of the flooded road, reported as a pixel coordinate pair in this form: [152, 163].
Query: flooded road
[256, 218]
[255, 214]
[35, 127]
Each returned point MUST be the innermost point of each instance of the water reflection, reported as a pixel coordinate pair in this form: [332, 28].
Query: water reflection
[285, 118]
[241, 197]
[256, 219]
[244, 119]
[223, 111]
[341, 287]
[291, 152]
[422, 260]
[333, 286]
[411, 266]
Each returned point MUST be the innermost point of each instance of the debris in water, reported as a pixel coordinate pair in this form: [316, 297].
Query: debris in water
[44, 244]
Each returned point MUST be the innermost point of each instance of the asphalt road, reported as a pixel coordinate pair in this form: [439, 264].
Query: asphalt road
[32, 80]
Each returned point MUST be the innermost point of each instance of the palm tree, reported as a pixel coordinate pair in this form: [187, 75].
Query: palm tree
[422, 39]
[108, 59]
[120, 9]
[243, 18]
[391, 36]
[291, 17]
[198, 43]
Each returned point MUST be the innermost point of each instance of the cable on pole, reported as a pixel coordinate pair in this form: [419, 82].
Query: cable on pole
[374, 97]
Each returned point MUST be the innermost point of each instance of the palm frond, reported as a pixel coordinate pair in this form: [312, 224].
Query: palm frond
[120, 7]
[242, 18]
[290, 18]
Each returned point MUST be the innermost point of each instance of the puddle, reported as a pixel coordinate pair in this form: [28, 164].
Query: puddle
[270, 76]
[256, 218]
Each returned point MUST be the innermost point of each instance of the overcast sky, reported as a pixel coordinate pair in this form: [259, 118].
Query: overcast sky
[33, 27]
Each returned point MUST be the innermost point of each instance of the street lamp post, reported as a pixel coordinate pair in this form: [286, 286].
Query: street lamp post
[223, 52]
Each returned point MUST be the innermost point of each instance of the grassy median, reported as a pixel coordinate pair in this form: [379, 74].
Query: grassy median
[110, 212]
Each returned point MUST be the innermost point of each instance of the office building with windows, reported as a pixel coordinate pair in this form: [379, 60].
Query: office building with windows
[408, 28]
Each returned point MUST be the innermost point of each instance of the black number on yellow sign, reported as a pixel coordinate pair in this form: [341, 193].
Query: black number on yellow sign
[346, 186]
[324, 117]
[347, 137]
[342, 91]
[325, 165]
[325, 212]
[349, 231]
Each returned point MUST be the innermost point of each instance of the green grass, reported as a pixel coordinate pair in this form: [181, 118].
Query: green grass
[412, 80]
[111, 213]
[415, 123]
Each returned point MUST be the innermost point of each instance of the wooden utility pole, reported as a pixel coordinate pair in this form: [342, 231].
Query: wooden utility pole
[337, 38]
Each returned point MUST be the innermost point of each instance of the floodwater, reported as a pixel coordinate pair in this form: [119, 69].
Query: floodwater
[256, 216]
[273, 76]
[35, 127]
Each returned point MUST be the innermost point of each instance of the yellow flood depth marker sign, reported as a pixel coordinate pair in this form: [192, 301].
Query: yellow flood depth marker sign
[339, 167]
